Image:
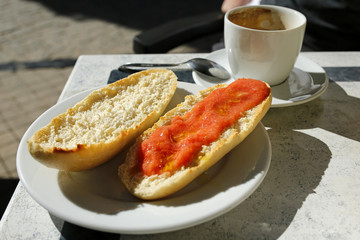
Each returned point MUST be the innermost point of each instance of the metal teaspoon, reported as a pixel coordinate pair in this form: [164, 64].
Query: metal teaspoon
[201, 65]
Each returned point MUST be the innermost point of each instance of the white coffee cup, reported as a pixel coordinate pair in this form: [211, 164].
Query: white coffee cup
[266, 55]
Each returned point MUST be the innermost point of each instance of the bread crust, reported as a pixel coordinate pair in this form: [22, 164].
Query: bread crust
[159, 186]
[82, 154]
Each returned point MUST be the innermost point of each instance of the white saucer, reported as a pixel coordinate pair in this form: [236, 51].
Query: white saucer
[306, 82]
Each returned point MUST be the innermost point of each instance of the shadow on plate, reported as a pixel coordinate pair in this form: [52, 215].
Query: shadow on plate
[71, 231]
[100, 190]
[300, 85]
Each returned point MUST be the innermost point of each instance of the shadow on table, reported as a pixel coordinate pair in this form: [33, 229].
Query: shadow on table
[7, 187]
[73, 232]
[333, 112]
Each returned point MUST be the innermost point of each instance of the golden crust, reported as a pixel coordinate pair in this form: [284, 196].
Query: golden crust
[84, 154]
[159, 186]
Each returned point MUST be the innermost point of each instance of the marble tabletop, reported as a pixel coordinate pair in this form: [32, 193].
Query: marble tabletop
[311, 190]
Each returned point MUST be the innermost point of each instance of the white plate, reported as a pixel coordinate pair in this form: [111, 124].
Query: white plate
[306, 82]
[97, 199]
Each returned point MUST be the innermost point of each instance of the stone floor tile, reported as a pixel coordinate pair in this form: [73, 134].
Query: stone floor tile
[8, 151]
[4, 173]
[7, 138]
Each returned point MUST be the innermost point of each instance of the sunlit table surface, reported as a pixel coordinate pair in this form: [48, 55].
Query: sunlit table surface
[311, 190]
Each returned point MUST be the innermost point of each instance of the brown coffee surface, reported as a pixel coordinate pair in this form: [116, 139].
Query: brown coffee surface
[257, 18]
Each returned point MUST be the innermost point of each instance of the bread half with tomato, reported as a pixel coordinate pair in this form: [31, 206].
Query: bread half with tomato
[192, 137]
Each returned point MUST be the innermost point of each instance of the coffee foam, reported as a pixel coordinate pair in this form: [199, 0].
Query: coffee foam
[257, 18]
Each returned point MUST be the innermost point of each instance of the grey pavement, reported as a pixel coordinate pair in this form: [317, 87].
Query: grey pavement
[36, 32]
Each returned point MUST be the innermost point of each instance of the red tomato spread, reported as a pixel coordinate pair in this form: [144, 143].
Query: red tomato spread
[172, 146]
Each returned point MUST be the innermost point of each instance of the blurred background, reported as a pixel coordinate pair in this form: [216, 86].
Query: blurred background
[40, 41]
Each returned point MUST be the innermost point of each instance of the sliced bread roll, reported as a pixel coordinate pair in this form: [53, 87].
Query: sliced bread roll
[161, 185]
[99, 126]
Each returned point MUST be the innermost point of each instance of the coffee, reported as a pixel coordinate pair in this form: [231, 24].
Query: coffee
[257, 18]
